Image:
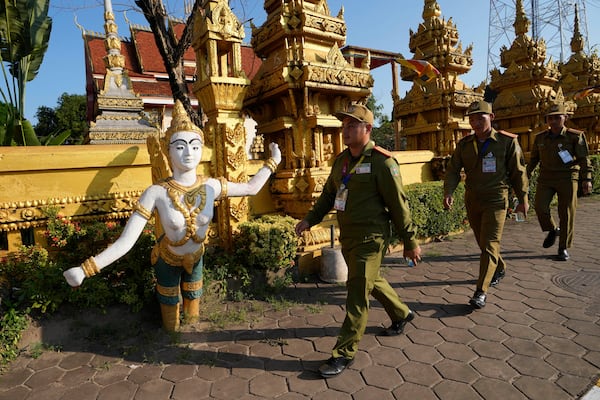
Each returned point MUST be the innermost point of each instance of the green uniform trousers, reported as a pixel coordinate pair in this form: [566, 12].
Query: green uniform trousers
[487, 218]
[363, 258]
[567, 204]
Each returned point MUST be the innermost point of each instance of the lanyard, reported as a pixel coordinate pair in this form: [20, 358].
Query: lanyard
[483, 147]
[346, 176]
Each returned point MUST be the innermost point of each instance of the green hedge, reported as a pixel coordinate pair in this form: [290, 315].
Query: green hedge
[428, 213]
[596, 173]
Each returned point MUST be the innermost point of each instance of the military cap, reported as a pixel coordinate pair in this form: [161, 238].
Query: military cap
[358, 112]
[557, 109]
[479, 107]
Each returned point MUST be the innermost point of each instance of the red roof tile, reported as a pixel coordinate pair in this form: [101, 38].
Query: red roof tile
[144, 65]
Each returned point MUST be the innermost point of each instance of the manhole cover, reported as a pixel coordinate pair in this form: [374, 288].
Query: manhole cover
[585, 283]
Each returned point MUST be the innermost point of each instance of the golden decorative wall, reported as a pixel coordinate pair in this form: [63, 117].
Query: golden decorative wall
[87, 182]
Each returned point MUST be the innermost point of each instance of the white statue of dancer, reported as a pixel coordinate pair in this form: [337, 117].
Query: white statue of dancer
[184, 205]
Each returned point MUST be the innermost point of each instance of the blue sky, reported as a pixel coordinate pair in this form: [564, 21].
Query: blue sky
[378, 24]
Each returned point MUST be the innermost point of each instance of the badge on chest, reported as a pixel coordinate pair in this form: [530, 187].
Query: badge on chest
[364, 168]
[564, 155]
[488, 163]
[340, 198]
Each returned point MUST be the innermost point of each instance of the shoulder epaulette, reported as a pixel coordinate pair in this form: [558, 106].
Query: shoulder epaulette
[383, 151]
[510, 135]
[574, 131]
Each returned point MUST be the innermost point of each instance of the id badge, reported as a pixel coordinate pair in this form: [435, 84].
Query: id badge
[488, 164]
[340, 198]
[565, 156]
[364, 168]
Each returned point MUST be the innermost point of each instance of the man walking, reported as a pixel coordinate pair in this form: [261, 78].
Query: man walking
[562, 154]
[493, 162]
[365, 189]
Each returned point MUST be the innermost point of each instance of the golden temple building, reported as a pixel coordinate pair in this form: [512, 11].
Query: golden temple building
[303, 80]
[526, 86]
[530, 83]
[431, 114]
[582, 71]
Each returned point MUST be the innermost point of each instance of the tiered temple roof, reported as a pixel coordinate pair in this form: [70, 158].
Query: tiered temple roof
[432, 113]
[145, 67]
[582, 71]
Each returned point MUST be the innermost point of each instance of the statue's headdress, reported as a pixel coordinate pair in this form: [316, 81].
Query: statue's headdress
[181, 122]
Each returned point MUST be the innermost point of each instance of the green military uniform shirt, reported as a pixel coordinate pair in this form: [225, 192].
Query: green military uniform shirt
[545, 151]
[375, 196]
[509, 168]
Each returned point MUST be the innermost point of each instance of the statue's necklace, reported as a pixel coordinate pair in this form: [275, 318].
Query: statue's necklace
[190, 195]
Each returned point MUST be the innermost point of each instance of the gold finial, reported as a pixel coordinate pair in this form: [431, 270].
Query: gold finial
[431, 10]
[577, 41]
[521, 23]
[181, 122]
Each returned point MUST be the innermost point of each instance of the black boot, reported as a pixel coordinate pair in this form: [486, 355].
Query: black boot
[551, 238]
[397, 327]
[478, 299]
[562, 255]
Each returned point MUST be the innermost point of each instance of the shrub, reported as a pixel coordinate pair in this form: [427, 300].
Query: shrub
[12, 324]
[428, 213]
[33, 276]
[33, 280]
[266, 243]
[264, 252]
[224, 274]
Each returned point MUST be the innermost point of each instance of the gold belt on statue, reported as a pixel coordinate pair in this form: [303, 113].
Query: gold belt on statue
[187, 261]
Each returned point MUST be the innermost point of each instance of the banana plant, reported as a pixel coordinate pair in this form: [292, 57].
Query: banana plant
[24, 35]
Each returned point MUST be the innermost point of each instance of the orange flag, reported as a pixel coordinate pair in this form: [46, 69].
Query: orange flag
[581, 93]
[424, 70]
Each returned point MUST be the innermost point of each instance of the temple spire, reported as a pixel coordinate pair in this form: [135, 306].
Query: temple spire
[119, 118]
[113, 60]
[521, 23]
[577, 41]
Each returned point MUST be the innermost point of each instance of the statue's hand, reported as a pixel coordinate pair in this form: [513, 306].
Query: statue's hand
[74, 276]
[275, 152]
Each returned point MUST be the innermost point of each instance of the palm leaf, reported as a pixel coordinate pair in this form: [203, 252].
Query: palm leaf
[56, 140]
[24, 35]
[12, 30]
[40, 27]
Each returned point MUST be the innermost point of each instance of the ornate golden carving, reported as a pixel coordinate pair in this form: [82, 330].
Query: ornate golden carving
[26, 214]
[236, 135]
[236, 159]
[222, 20]
[240, 211]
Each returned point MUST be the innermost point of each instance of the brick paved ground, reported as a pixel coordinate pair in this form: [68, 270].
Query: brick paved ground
[538, 337]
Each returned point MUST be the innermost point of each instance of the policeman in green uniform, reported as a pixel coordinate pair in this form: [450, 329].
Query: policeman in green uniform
[493, 162]
[365, 188]
[562, 154]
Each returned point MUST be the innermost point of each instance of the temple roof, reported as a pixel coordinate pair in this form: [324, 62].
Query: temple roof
[144, 66]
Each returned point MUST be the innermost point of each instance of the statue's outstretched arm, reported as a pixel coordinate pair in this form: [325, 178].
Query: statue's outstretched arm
[116, 250]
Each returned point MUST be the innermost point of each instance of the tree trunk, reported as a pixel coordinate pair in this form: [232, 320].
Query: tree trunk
[172, 49]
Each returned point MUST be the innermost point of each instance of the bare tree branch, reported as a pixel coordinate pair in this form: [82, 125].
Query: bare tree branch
[172, 49]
